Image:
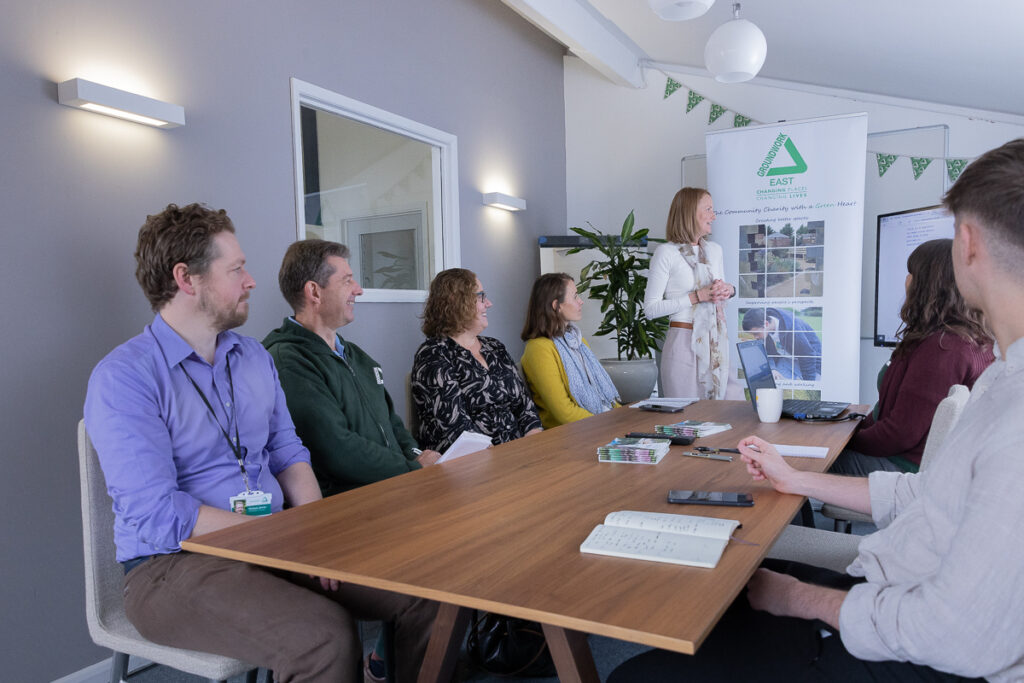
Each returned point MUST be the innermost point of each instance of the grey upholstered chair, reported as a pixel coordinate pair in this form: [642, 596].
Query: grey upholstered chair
[836, 550]
[946, 415]
[104, 605]
[816, 547]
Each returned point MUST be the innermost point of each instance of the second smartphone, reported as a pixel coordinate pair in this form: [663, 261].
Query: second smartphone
[731, 499]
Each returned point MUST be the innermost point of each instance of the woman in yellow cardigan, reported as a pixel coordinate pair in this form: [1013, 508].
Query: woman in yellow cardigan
[567, 381]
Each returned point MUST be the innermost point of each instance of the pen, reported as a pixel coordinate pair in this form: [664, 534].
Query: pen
[708, 449]
[709, 456]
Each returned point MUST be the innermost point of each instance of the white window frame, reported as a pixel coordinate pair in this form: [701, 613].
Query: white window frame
[444, 236]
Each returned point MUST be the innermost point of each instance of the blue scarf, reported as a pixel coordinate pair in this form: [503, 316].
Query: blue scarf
[589, 384]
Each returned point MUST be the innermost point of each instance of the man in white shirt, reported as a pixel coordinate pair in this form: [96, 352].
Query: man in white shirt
[934, 594]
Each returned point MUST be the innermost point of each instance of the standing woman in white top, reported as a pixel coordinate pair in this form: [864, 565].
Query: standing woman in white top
[685, 283]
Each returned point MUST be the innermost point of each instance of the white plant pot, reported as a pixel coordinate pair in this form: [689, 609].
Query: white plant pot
[635, 379]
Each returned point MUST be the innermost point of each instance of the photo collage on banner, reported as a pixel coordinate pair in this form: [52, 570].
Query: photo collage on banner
[784, 265]
[800, 208]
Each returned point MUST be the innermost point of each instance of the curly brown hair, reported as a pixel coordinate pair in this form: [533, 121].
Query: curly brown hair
[682, 227]
[933, 301]
[542, 320]
[451, 303]
[176, 235]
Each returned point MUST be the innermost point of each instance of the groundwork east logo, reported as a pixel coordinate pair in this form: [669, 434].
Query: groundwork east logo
[768, 167]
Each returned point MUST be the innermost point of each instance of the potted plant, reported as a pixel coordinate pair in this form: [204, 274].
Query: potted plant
[617, 281]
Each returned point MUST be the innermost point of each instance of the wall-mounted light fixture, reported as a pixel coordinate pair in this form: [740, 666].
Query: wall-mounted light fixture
[103, 99]
[504, 201]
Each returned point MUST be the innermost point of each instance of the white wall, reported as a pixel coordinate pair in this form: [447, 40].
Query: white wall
[624, 149]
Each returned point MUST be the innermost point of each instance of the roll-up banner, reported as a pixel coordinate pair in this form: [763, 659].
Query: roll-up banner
[790, 204]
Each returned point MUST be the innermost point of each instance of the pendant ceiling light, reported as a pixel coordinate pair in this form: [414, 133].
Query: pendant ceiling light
[735, 52]
[680, 10]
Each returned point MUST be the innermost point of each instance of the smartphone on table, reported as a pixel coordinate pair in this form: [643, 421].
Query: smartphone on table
[728, 498]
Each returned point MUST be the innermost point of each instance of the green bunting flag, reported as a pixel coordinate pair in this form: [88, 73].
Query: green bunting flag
[919, 164]
[954, 167]
[692, 101]
[884, 162]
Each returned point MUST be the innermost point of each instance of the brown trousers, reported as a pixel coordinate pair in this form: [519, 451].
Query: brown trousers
[276, 620]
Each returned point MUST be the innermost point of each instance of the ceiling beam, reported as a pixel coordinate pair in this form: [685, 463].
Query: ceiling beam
[588, 35]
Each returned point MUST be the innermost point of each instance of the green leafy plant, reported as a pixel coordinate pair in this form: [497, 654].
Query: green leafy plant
[618, 282]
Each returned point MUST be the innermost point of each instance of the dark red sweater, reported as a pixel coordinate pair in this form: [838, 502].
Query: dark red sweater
[912, 388]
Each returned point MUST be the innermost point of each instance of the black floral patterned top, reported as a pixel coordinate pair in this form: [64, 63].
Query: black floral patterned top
[454, 393]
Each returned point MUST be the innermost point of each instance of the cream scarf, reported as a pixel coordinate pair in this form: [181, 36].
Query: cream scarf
[709, 331]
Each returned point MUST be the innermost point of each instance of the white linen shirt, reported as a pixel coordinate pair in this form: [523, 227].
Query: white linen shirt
[943, 586]
[670, 280]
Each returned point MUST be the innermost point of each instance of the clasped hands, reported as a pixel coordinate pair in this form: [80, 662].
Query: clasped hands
[717, 291]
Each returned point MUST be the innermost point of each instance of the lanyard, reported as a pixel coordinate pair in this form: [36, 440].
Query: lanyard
[239, 451]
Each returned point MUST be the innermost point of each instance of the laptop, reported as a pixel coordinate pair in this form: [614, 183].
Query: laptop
[759, 375]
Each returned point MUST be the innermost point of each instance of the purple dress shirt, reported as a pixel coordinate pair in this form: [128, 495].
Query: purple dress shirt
[162, 451]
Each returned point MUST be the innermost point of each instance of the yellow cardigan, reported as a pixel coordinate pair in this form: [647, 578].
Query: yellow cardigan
[549, 384]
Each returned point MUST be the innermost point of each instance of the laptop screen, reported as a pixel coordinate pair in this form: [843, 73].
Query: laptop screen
[755, 367]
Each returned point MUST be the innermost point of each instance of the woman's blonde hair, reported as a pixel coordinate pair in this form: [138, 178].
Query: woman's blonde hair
[451, 303]
[682, 225]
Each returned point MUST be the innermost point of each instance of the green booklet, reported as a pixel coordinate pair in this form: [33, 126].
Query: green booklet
[642, 450]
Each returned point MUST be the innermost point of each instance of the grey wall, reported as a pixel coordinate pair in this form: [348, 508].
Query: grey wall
[75, 187]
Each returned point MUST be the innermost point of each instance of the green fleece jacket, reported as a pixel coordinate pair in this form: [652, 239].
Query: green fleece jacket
[341, 410]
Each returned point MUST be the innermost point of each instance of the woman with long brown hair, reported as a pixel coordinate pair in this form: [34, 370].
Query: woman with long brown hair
[565, 378]
[685, 282]
[942, 342]
[462, 380]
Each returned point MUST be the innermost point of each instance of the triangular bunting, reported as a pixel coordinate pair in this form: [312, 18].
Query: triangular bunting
[739, 121]
[954, 167]
[692, 101]
[716, 112]
[671, 85]
[919, 164]
[884, 162]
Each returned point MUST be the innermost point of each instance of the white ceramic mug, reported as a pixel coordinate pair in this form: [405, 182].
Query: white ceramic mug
[769, 404]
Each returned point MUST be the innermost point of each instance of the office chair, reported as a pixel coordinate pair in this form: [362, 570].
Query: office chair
[104, 603]
[947, 413]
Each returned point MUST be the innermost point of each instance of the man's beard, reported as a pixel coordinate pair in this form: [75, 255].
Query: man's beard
[224, 319]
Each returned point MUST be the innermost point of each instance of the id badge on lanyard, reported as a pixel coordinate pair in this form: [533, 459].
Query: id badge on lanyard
[252, 503]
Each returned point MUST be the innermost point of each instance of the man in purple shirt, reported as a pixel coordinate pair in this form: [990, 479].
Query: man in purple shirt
[191, 428]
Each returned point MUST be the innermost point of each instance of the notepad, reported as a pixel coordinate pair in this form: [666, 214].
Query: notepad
[661, 537]
[468, 442]
[802, 451]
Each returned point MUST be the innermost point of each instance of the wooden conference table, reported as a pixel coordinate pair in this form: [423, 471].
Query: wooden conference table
[500, 531]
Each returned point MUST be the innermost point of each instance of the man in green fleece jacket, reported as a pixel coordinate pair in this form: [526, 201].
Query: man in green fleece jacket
[335, 391]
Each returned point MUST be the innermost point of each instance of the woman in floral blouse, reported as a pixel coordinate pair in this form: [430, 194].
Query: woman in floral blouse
[462, 381]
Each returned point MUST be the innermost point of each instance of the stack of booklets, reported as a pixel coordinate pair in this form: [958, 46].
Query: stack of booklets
[661, 537]
[636, 450]
[694, 428]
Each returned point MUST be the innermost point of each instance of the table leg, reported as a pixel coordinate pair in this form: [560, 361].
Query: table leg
[572, 656]
[445, 643]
